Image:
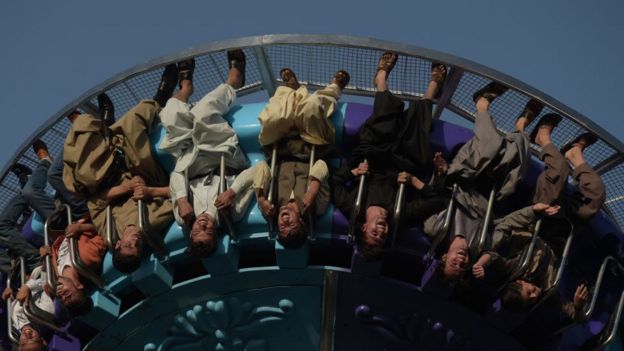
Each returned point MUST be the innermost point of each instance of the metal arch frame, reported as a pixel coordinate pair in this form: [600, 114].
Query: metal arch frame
[258, 45]
[326, 40]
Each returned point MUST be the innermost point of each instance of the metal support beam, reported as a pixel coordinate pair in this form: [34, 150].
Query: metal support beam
[264, 66]
[90, 108]
[610, 162]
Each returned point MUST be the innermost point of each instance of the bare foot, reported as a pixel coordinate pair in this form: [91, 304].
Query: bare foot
[384, 67]
[341, 78]
[543, 135]
[575, 154]
[289, 78]
[482, 104]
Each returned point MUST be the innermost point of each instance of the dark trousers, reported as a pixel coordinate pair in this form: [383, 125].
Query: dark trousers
[11, 240]
[550, 188]
[55, 178]
[393, 138]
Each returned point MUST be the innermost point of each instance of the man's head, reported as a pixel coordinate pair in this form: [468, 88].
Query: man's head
[456, 259]
[374, 230]
[73, 296]
[128, 250]
[31, 340]
[203, 239]
[520, 294]
[292, 231]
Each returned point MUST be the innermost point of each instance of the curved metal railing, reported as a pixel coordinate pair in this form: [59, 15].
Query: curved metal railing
[315, 58]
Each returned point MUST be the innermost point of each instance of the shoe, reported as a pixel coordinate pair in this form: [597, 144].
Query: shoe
[289, 78]
[73, 115]
[438, 75]
[107, 109]
[490, 92]
[584, 140]
[236, 59]
[41, 150]
[185, 70]
[549, 119]
[386, 62]
[531, 110]
[341, 78]
[21, 172]
[168, 82]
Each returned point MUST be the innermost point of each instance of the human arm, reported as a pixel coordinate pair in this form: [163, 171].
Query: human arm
[261, 179]
[478, 269]
[319, 175]
[343, 195]
[242, 182]
[79, 227]
[574, 309]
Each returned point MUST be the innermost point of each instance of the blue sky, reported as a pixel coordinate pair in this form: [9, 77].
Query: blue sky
[52, 51]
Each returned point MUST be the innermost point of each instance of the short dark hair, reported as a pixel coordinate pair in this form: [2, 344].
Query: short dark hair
[369, 252]
[439, 275]
[82, 304]
[126, 264]
[511, 297]
[202, 249]
[295, 238]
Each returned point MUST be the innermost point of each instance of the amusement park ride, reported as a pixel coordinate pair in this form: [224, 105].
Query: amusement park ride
[255, 294]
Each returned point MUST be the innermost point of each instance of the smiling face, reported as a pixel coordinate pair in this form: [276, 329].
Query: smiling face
[375, 229]
[203, 230]
[30, 339]
[456, 259]
[289, 219]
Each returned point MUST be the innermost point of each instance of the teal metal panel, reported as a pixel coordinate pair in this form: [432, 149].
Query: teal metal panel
[266, 291]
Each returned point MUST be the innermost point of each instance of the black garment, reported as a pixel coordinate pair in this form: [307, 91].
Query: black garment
[393, 138]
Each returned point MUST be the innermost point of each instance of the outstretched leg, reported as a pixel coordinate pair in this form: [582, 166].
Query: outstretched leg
[551, 183]
[591, 190]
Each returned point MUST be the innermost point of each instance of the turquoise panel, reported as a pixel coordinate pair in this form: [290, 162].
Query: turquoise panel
[262, 309]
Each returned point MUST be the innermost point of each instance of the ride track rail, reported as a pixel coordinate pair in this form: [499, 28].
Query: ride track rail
[315, 58]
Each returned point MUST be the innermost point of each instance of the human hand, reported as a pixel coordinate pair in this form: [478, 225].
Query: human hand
[546, 209]
[185, 210]
[478, 271]
[74, 229]
[581, 296]
[45, 250]
[440, 165]
[7, 293]
[404, 177]
[362, 168]
[225, 199]
[308, 199]
[267, 209]
[23, 294]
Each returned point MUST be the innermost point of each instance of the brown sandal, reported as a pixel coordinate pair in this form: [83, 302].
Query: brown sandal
[341, 78]
[387, 61]
[289, 78]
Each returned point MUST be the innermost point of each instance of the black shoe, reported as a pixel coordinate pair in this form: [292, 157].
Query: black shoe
[490, 92]
[236, 59]
[185, 70]
[167, 85]
[41, 150]
[107, 109]
[21, 172]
